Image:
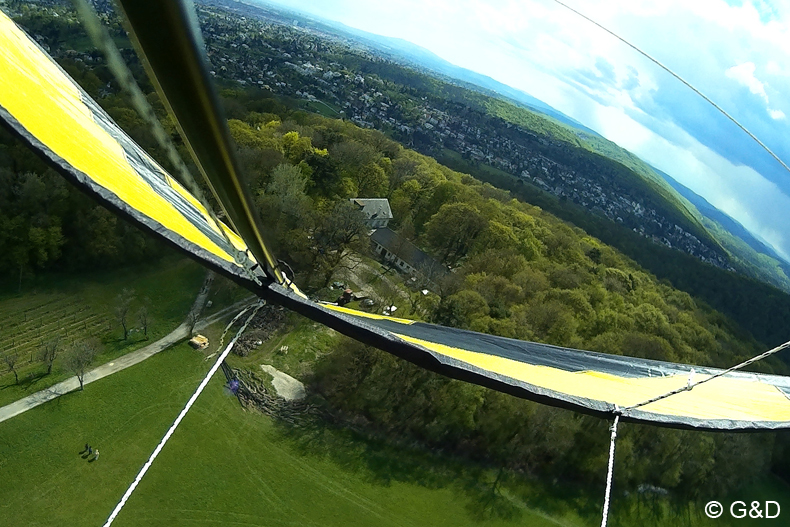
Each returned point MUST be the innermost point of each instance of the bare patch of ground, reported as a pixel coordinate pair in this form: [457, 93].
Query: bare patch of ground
[286, 386]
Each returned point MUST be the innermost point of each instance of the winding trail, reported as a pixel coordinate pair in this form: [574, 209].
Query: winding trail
[121, 363]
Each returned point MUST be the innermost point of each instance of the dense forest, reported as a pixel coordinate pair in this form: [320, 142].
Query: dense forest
[518, 271]
[48, 225]
[759, 308]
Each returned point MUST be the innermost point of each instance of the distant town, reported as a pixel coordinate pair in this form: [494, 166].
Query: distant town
[291, 60]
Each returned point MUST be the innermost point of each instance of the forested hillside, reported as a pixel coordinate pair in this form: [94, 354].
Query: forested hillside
[759, 308]
[48, 225]
[432, 113]
[519, 272]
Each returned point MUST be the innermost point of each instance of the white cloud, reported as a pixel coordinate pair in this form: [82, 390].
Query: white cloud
[744, 74]
[773, 68]
[738, 190]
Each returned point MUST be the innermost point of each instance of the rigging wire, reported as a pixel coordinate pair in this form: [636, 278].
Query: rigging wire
[610, 471]
[618, 412]
[678, 77]
[691, 384]
[183, 413]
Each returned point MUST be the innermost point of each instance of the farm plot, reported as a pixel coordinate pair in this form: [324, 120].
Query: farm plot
[77, 307]
[29, 322]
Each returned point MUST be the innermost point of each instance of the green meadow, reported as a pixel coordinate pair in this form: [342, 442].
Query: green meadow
[228, 466]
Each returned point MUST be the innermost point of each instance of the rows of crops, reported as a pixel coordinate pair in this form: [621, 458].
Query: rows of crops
[30, 321]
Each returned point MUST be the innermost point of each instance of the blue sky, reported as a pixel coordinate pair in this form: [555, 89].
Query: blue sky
[735, 52]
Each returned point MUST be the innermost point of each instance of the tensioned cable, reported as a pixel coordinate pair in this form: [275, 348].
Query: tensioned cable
[688, 387]
[104, 42]
[183, 413]
[691, 384]
[678, 77]
[610, 472]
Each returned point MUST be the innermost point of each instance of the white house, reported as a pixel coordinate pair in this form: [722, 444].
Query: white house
[405, 255]
[376, 210]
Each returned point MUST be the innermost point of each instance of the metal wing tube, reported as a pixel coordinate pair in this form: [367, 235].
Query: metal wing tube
[168, 39]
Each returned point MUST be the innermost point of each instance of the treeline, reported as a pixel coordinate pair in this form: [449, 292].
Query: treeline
[46, 224]
[519, 272]
[374, 390]
[758, 308]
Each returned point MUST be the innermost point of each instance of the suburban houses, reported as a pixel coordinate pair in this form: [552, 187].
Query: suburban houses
[262, 50]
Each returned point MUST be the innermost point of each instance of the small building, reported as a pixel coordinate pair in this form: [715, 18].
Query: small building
[199, 342]
[404, 254]
[376, 210]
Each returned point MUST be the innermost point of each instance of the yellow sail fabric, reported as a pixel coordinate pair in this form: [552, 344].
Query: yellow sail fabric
[49, 111]
[595, 382]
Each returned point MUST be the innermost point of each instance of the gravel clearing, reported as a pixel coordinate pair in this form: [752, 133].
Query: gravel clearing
[286, 386]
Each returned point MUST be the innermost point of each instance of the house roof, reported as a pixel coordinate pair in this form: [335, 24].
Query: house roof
[403, 248]
[374, 208]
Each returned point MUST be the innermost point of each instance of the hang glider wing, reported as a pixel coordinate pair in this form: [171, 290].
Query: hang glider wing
[42, 105]
[49, 112]
[579, 380]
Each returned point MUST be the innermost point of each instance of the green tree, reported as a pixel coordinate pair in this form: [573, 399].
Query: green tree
[285, 198]
[33, 245]
[371, 181]
[461, 309]
[80, 356]
[339, 233]
[452, 231]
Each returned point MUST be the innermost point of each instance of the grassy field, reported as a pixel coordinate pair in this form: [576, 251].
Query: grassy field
[76, 307]
[222, 466]
[231, 467]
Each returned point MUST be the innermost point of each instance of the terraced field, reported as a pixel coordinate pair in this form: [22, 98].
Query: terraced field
[29, 323]
[73, 308]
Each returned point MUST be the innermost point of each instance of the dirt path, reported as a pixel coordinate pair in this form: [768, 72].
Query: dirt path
[125, 361]
[360, 268]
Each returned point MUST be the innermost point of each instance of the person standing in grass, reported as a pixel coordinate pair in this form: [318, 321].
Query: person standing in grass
[96, 454]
